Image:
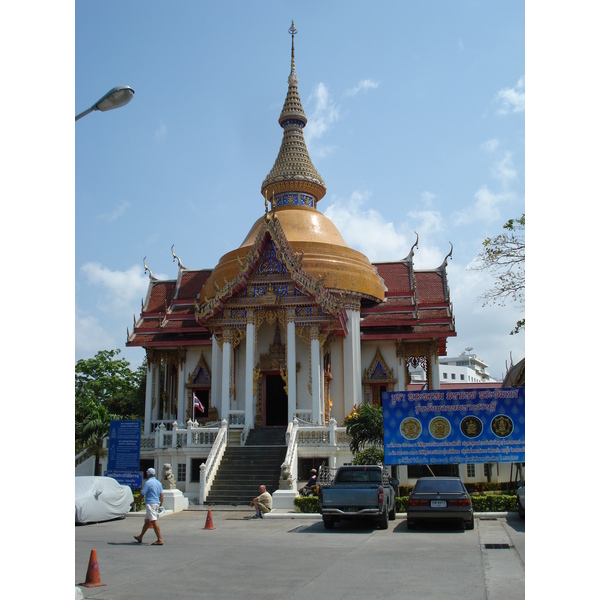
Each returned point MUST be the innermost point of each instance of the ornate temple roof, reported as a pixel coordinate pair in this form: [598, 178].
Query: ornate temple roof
[398, 302]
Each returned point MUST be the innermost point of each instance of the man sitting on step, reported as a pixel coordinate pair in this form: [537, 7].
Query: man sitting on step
[263, 503]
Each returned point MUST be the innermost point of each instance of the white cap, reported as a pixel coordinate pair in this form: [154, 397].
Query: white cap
[150, 472]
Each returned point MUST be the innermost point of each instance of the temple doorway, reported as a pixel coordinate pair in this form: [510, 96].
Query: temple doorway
[275, 402]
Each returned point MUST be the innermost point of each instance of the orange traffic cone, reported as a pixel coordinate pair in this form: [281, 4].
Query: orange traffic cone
[92, 578]
[209, 522]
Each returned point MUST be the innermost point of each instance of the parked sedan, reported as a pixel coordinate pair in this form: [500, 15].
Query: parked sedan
[439, 499]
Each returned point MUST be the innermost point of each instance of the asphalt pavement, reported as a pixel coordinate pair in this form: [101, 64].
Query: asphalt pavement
[291, 555]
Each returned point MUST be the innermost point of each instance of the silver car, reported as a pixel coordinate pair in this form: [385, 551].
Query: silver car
[439, 499]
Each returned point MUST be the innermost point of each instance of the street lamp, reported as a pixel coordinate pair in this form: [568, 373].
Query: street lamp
[117, 97]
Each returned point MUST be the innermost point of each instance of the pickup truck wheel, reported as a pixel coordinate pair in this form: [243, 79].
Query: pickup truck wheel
[328, 523]
[384, 520]
[392, 514]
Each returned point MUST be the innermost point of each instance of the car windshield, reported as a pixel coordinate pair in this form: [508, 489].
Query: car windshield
[360, 476]
[434, 486]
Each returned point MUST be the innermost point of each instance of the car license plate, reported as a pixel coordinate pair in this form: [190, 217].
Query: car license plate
[438, 504]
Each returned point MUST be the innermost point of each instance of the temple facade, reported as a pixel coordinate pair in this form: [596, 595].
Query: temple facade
[291, 330]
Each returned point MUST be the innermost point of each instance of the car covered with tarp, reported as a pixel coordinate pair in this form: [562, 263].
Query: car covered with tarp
[100, 499]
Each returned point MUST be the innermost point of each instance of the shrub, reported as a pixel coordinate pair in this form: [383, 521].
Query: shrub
[369, 456]
[307, 504]
[492, 503]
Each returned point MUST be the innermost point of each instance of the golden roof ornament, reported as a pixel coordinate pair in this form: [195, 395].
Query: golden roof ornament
[293, 180]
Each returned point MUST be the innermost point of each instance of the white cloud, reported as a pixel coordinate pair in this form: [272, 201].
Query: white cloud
[366, 230]
[490, 145]
[503, 170]
[363, 86]
[115, 214]
[485, 208]
[119, 290]
[90, 336]
[323, 116]
[512, 100]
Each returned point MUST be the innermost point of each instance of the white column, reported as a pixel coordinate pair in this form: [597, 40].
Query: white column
[249, 396]
[315, 374]
[435, 368]
[401, 370]
[181, 395]
[352, 362]
[348, 350]
[226, 374]
[215, 382]
[156, 367]
[149, 387]
[291, 365]
[356, 357]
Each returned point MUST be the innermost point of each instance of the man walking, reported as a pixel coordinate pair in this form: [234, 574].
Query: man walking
[262, 503]
[153, 493]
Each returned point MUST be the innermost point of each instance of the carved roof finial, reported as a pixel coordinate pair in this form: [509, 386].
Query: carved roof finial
[449, 255]
[147, 269]
[176, 258]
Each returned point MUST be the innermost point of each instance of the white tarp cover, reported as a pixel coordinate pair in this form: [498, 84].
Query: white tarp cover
[100, 499]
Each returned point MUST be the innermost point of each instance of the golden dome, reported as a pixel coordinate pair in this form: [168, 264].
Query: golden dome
[325, 253]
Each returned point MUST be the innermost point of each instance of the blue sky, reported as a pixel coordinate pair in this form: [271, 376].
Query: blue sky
[416, 122]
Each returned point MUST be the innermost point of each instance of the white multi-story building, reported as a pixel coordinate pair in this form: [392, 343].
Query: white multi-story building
[465, 368]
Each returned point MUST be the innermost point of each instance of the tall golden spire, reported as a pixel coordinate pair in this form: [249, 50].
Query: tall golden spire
[293, 180]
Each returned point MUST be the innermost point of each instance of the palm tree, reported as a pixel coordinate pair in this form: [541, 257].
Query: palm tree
[365, 427]
[91, 427]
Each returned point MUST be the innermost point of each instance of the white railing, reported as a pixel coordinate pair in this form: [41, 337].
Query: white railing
[322, 435]
[82, 457]
[209, 468]
[190, 436]
[304, 417]
[289, 468]
[237, 418]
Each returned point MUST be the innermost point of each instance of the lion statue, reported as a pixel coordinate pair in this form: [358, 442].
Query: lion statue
[168, 477]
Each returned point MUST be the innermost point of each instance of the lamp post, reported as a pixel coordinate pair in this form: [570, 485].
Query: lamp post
[117, 97]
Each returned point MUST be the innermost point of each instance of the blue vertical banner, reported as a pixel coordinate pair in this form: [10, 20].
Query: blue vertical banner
[454, 426]
[124, 443]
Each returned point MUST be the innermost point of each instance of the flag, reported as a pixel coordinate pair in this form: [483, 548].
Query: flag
[198, 404]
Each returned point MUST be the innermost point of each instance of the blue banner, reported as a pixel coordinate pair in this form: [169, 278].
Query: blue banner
[131, 478]
[124, 445]
[441, 427]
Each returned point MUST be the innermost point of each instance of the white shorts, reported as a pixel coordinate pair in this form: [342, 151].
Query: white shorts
[152, 511]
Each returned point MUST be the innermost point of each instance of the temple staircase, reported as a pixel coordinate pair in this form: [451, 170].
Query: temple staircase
[244, 468]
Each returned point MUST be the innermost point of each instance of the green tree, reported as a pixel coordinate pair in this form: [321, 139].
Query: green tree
[504, 257]
[92, 425]
[105, 389]
[111, 383]
[365, 427]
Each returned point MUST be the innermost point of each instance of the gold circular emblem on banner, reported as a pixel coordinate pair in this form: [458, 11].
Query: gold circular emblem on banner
[502, 426]
[410, 428]
[439, 428]
[471, 427]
